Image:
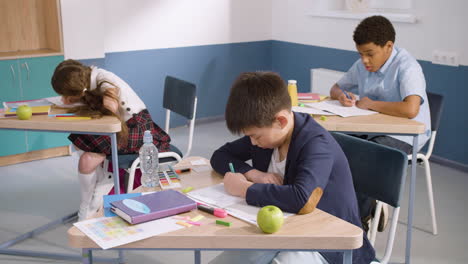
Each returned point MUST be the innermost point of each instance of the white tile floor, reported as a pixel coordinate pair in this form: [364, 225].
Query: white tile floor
[37, 192]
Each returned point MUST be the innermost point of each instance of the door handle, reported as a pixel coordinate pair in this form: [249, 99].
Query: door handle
[25, 65]
[13, 72]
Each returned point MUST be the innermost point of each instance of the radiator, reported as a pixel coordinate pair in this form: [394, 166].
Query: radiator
[321, 80]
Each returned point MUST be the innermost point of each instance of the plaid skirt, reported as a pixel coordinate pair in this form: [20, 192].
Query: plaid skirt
[136, 129]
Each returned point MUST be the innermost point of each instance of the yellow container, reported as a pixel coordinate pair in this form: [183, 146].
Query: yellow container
[292, 90]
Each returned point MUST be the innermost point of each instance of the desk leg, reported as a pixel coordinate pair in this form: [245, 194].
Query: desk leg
[411, 199]
[87, 255]
[115, 163]
[348, 257]
[197, 256]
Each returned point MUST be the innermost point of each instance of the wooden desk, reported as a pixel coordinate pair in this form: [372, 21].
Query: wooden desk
[315, 231]
[107, 125]
[378, 123]
[388, 125]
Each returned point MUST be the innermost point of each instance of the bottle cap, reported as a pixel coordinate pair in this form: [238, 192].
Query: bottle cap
[292, 81]
[148, 138]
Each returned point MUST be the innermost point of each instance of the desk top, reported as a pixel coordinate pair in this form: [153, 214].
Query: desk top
[317, 230]
[106, 124]
[378, 123]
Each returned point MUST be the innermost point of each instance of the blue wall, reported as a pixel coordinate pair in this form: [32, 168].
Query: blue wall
[214, 67]
[294, 61]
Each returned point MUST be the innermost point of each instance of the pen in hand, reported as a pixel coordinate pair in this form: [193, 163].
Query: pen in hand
[346, 94]
[231, 167]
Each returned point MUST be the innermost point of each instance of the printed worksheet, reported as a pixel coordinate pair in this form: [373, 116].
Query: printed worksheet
[334, 106]
[109, 232]
[310, 110]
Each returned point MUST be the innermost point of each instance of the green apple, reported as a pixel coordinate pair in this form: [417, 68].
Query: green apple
[24, 112]
[270, 219]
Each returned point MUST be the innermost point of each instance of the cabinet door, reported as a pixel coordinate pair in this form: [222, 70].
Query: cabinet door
[11, 141]
[35, 80]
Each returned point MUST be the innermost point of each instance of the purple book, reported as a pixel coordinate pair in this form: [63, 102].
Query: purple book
[153, 206]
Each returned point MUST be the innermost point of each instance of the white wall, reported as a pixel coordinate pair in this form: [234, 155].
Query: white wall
[442, 25]
[83, 28]
[94, 27]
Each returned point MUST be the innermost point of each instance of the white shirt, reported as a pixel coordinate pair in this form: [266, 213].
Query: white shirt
[277, 166]
[129, 101]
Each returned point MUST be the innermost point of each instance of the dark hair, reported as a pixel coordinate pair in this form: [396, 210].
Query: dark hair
[376, 29]
[72, 78]
[255, 99]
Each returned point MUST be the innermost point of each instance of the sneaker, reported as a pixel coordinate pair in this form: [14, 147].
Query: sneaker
[383, 221]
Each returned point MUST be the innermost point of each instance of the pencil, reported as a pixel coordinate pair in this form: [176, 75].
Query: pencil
[73, 117]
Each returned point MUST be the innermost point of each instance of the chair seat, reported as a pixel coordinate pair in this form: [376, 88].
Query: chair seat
[126, 160]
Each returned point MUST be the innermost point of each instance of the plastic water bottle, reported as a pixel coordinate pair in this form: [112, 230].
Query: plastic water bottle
[149, 161]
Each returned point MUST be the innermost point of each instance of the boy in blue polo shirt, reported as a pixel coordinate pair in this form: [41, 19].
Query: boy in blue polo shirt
[388, 80]
[296, 165]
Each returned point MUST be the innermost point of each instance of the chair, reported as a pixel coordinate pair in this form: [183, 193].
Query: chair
[179, 97]
[379, 172]
[436, 103]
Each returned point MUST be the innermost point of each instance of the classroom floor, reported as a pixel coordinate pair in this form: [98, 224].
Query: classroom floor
[40, 191]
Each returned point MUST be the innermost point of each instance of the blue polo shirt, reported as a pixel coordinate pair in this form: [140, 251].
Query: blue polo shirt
[399, 77]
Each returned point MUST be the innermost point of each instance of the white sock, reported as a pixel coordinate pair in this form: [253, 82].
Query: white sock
[87, 186]
[103, 186]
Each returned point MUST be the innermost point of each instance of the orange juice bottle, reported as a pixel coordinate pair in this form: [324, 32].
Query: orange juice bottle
[292, 90]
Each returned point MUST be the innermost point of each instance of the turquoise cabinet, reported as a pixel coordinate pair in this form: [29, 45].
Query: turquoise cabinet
[11, 141]
[32, 81]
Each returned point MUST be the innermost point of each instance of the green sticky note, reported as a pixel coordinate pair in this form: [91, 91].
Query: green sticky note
[188, 189]
[219, 222]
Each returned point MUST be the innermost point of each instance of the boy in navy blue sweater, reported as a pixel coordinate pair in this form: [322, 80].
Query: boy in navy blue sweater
[296, 165]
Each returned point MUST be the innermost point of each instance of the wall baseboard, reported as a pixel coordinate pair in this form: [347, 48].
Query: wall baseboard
[34, 155]
[449, 163]
[210, 119]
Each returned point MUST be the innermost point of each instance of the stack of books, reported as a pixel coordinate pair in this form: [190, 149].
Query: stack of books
[39, 107]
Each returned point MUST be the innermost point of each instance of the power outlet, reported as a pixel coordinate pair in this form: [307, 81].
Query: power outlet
[445, 58]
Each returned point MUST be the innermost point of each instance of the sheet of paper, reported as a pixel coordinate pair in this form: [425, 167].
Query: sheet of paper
[198, 162]
[335, 107]
[57, 100]
[236, 206]
[201, 168]
[109, 232]
[310, 110]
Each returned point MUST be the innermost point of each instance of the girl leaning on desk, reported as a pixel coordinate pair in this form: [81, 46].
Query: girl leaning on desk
[98, 93]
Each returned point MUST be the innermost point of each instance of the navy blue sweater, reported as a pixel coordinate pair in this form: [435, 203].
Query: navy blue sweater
[314, 160]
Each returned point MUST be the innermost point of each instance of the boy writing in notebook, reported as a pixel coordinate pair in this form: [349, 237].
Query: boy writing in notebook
[388, 80]
[296, 165]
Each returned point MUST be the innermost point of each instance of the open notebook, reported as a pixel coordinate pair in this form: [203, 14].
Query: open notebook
[235, 206]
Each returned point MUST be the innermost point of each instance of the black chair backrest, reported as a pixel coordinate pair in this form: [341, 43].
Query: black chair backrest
[436, 103]
[179, 96]
[378, 171]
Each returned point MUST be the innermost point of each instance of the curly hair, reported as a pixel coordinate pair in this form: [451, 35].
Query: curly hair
[376, 29]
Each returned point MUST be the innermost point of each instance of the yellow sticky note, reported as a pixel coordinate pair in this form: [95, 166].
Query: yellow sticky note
[184, 224]
[197, 218]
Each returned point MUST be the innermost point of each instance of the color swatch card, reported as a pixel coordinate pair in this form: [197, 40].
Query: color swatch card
[109, 232]
[168, 178]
